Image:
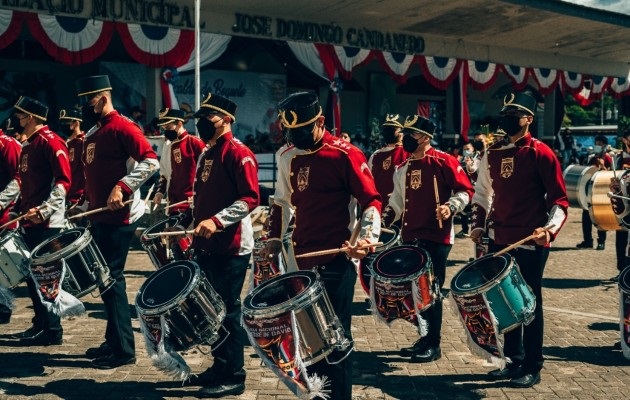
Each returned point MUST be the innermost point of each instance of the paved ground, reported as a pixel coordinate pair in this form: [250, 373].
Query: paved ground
[581, 315]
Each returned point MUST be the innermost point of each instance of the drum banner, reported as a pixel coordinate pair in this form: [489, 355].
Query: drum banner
[7, 298]
[391, 301]
[276, 341]
[49, 279]
[480, 324]
[155, 332]
[264, 269]
[624, 322]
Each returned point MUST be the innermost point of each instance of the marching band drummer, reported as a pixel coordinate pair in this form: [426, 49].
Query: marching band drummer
[621, 161]
[321, 178]
[185, 150]
[424, 223]
[9, 189]
[44, 182]
[225, 193]
[520, 192]
[384, 161]
[70, 120]
[117, 161]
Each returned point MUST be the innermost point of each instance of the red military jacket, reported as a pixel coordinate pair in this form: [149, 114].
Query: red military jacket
[413, 199]
[382, 163]
[44, 168]
[75, 152]
[185, 151]
[323, 187]
[519, 188]
[9, 160]
[226, 190]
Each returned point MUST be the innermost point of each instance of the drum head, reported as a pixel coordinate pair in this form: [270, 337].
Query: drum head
[624, 280]
[281, 293]
[62, 245]
[166, 287]
[400, 263]
[480, 274]
[160, 226]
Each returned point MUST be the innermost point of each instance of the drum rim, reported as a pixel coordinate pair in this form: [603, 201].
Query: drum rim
[312, 292]
[150, 228]
[79, 244]
[392, 242]
[408, 277]
[624, 280]
[491, 282]
[176, 300]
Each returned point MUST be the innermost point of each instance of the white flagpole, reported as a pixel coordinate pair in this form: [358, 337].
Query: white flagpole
[197, 67]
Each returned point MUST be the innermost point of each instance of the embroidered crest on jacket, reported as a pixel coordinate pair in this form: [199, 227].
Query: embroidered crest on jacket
[207, 166]
[415, 179]
[177, 155]
[387, 163]
[302, 178]
[24, 163]
[507, 167]
[90, 152]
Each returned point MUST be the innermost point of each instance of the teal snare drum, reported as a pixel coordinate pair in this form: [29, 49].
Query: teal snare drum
[501, 284]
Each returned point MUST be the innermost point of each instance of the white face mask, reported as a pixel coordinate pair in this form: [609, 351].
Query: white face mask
[597, 149]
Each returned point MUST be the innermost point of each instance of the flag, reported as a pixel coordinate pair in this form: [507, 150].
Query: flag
[424, 109]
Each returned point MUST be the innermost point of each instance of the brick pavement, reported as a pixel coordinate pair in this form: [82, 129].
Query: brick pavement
[581, 315]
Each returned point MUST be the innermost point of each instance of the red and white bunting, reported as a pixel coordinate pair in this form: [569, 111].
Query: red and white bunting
[157, 46]
[572, 81]
[546, 78]
[481, 74]
[10, 26]
[518, 75]
[439, 71]
[396, 64]
[349, 58]
[620, 87]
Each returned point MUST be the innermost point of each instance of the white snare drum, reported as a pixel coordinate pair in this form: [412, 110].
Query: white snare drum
[86, 267]
[163, 250]
[390, 237]
[14, 259]
[577, 179]
[192, 309]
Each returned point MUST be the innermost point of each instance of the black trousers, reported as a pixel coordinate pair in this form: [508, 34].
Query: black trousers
[524, 345]
[439, 254]
[48, 321]
[621, 242]
[113, 242]
[587, 227]
[226, 274]
[339, 277]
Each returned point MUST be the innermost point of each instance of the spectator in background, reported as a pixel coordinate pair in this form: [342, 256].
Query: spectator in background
[138, 115]
[346, 136]
[567, 147]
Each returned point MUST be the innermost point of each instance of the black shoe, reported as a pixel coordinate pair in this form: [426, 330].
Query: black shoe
[206, 378]
[418, 347]
[601, 246]
[42, 340]
[617, 346]
[615, 278]
[223, 389]
[112, 361]
[461, 235]
[5, 318]
[100, 351]
[510, 372]
[430, 354]
[526, 381]
[30, 333]
[584, 245]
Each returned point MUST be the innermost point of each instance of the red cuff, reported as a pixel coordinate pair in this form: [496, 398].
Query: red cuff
[126, 189]
[217, 222]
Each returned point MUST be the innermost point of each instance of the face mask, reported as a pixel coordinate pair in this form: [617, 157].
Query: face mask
[66, 131]
[170, 134]
[510, 124]
[89, 116]
[302, 137]
[15, 123]
[478, 145]
[409, 143]
[206, 129]
[597, 149]
[389, 134]
[467, 153]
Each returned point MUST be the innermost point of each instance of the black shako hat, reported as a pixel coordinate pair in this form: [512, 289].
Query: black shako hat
[213, 103]
[419, 124]
[299, 109]
[519, 101]
[392, 120]
[7, 127]
[32, 107]
[71, 114]
[170, 115]
[88, 87]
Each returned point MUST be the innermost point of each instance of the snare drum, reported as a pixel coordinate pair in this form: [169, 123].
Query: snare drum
[86, 267]
[577, 179]
[267, 317]
[165, 249]
[403, 284]
[498, 281]
[624, 311]
[14, 259]
[191, 308]
[600, 208]
[390, 238]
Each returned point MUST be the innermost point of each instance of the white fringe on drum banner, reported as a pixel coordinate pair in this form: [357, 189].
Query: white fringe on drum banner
[624, 326]
[423, 325]
[63, 304]
[315, 385]
[475, 349]
[7, 298]
[163, 358]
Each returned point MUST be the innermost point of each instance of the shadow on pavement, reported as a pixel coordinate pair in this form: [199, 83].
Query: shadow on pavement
[603, 326]
[28, 364]
[595, 355]
[568, 283]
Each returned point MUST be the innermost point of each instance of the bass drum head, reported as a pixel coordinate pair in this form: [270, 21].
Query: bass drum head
[281, 294]
[400, 264]
[62, 245]
[480, 274]
[160, 226]
[166, 287]
[624, 280]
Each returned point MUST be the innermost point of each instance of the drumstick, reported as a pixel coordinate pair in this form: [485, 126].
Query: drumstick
[520, 242]
[97, 210]
[437, 200]
[179, 203]
[611, 195]
[21, 217]
[339, 250]
[146, 200]
[390, 231]
[169, 233]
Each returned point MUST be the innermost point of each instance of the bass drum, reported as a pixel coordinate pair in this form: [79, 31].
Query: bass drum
[577, 179]
[600, 208]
